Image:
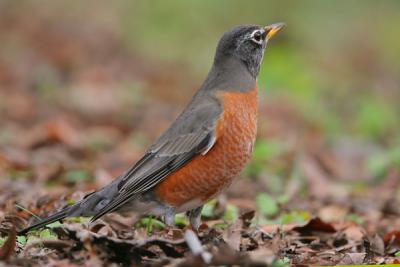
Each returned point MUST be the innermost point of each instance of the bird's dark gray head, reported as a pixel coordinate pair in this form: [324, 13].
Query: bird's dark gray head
[246, 43]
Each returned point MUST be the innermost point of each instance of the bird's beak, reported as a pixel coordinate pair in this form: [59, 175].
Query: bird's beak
[272, 29]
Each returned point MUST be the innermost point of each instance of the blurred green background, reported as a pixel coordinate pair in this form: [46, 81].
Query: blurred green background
[329, 82]
[337, 61]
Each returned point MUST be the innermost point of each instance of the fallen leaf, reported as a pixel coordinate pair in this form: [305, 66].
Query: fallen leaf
[354, 232]
[392, 241]
[8, 248]
[274, 228]
[352, 259]
[392, 237]
[377, 245]
[332, 213]
[315, 225]
[247, 217]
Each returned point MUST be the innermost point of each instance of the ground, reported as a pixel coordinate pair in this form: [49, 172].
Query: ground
[79, 105]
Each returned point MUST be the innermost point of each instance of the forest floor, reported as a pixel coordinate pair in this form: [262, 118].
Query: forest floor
[75, 114]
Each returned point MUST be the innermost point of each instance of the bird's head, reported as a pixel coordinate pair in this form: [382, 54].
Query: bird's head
[246, 43]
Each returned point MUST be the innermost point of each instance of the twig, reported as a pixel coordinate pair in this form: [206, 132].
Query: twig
[195, 246]
[25, 209]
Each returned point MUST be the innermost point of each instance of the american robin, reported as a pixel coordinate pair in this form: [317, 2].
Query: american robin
[206, 147]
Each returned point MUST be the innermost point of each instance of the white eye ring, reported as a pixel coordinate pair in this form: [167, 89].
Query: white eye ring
[256, 36]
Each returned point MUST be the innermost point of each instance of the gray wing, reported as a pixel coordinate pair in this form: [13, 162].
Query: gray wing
[192, 133]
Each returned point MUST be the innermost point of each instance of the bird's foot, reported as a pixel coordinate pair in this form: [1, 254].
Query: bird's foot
[195, 218]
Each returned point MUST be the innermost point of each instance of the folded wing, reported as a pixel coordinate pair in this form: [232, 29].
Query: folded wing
[192, 134]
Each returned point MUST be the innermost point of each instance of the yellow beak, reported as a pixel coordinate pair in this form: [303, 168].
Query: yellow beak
[273, 29]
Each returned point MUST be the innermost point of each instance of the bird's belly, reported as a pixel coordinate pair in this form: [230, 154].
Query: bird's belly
[207, 175]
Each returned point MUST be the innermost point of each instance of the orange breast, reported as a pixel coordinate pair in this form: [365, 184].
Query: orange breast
[205, 176]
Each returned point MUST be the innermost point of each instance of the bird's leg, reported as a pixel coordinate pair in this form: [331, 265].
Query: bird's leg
[169, 217]
[195, 217]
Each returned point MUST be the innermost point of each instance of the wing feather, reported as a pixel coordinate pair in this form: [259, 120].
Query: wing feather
[192, 134]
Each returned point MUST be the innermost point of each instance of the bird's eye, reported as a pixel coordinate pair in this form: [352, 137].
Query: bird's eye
[257, 37]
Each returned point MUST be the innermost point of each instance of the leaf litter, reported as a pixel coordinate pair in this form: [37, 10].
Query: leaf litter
[67, 133]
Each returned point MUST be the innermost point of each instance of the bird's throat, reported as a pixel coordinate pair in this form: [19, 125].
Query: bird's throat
[230, 74]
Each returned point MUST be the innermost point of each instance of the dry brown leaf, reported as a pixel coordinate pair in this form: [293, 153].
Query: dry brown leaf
[8, 248]
[332, 213]
[392, 237]
[315, 225]
[274, 228]
[354, 232]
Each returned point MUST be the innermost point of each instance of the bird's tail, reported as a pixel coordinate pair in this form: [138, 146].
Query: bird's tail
[53, 218]
[90, 205]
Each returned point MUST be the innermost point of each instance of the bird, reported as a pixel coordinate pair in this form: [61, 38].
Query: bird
[203, 150]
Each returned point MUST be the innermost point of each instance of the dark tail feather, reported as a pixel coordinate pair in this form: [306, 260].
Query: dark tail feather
[53, 218]
[88, 206]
